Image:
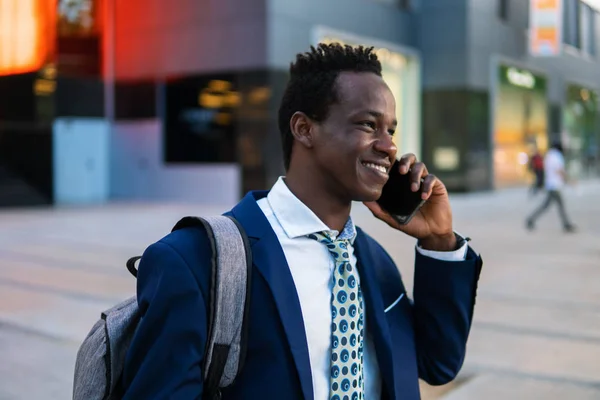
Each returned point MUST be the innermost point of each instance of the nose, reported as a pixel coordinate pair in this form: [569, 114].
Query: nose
[385, 145]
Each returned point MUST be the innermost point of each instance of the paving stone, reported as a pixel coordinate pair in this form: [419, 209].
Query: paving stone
[536, 332]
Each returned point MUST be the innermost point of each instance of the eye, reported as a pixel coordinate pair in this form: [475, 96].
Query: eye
[391, 132]
[369, 124]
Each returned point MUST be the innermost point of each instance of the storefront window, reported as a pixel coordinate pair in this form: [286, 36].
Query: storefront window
[521, 124]
[580, 130]
[200, 124]
[220, 118]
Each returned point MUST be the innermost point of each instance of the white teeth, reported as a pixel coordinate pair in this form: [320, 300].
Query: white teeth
[379, 168]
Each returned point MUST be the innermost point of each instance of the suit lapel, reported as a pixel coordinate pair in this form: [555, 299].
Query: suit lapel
[269, 260]
[376, 319]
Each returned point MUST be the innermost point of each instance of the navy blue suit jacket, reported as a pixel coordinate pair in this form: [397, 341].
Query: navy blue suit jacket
[425, 339]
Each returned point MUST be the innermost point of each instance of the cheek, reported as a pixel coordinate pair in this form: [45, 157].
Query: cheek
[347, 166]
[345, 153]
[342, 151]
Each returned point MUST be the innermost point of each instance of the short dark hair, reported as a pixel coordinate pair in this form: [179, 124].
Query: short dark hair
[311, 88]
[557, 145]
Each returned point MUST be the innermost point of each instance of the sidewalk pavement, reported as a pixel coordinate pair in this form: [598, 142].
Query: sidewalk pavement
[536, 332]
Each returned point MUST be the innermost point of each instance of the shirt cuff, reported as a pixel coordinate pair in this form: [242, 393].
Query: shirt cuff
[456, 255]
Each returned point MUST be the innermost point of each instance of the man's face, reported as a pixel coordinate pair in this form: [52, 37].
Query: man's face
[353, 146]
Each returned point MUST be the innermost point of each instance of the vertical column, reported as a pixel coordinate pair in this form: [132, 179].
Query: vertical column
[80, 131]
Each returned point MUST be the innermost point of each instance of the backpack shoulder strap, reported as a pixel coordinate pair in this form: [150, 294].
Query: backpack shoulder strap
[229, 300]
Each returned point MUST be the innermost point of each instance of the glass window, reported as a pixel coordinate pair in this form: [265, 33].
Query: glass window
[403, 4]
[588, 29]
[594, 16]
[199, 123]
[580, 119]
[572, 23]
[521, 123]
[79, 26]
[503, 9]
[218, 118]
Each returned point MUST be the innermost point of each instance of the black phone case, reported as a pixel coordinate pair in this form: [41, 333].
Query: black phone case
[389, 195]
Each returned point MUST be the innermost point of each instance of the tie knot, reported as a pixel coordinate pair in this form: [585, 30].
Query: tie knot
[338, 247]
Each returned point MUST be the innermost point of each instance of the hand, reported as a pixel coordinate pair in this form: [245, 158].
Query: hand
[432, 224]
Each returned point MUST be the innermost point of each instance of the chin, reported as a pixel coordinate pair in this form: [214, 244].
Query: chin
[368, 186]
[367, 194]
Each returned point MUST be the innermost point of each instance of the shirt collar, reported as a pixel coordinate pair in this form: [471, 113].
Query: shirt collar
[297, 219]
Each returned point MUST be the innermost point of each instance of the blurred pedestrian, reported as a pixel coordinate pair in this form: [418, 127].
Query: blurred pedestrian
[536, 165]
[555, 178]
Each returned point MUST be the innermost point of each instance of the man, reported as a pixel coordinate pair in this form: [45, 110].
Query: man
[555, 178]
[329, 315]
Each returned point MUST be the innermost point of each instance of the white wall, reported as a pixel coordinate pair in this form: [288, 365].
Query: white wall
[139, 173]
[81, 166]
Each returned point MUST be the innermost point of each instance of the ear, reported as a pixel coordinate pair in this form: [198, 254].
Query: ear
[302, 128]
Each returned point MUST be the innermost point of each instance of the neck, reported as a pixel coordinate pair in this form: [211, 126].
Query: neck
[317, 195]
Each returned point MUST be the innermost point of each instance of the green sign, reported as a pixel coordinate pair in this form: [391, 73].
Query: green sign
[521, 78]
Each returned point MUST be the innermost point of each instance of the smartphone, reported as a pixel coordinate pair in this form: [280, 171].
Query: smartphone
[397, 198]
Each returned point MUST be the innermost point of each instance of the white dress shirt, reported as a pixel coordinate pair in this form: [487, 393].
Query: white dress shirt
[311, 266]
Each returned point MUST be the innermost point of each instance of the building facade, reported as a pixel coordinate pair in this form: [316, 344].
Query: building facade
[105, 100]
[488, 102]
[145, 100]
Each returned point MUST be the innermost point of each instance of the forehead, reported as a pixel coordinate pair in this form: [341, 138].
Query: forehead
[364, 90]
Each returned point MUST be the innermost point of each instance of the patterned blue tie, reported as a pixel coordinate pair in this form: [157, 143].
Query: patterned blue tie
[347, 331]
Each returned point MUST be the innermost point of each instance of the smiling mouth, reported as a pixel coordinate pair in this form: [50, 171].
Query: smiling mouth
[379, 168]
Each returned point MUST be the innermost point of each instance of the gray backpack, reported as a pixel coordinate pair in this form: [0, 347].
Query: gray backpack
[101, 357]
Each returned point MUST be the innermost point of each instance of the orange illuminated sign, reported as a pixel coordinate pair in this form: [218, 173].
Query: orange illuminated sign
[545, 22]
[25, 34]
[545, 39]
[546, 4]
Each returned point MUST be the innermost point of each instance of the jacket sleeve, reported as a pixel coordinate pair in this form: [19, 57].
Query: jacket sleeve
[444, 298]
[165, 357]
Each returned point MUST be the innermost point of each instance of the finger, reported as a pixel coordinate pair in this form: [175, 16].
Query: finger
[406, 162]
[418, 171]
[428, 184]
